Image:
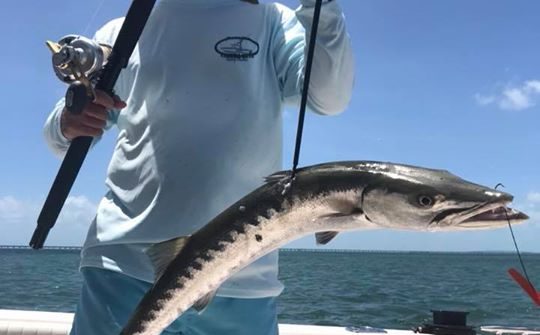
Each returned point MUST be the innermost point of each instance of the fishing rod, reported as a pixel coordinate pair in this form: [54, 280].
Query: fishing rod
[83, 63]
[307, 77]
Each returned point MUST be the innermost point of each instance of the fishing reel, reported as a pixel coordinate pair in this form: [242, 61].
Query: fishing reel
[78, 62]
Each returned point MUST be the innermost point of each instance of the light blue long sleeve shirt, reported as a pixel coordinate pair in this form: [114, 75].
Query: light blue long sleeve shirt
[205, 90]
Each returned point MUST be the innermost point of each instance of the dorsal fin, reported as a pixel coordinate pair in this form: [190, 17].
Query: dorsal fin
[278, 176]
[162, 254]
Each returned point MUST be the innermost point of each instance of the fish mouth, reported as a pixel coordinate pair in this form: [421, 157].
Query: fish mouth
[484, 216]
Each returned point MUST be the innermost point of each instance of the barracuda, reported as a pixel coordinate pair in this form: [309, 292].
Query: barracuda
[323, 200]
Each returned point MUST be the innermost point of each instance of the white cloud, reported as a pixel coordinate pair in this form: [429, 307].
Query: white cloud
[18, 220]
[513, 97]
[78, 210]
[483, 100]
[11, 209]
[533, 86]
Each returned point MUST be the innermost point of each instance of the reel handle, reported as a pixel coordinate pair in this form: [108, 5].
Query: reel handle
[77, 97]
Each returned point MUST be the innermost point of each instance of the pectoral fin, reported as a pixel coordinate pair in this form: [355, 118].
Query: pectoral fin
[324, 237]
[162, 254]
[203, 302]
[344, 206]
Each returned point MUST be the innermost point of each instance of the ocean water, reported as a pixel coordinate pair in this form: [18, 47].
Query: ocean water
[391, 290]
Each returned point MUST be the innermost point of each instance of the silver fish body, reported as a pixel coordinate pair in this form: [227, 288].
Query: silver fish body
[322, 199]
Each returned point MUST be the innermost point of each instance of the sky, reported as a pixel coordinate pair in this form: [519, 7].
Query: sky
[452, 85]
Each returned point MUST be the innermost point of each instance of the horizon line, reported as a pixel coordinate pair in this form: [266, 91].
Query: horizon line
[66, 247]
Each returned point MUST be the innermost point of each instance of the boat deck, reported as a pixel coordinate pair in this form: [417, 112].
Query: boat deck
[17, 322]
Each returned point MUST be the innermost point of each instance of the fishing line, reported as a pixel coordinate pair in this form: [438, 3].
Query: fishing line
[515, 241]
[307, 76]
[517, 249]
[93, 17]
[524, 282]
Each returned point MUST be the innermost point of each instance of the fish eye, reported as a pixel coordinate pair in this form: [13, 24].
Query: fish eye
[425, 201]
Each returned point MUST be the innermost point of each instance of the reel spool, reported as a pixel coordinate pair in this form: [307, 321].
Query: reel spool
[75, 56]
[78, 61]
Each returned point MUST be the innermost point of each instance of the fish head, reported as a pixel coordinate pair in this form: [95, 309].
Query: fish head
[415, 198]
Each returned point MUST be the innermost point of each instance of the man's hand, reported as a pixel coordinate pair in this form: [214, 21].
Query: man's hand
[93, 118]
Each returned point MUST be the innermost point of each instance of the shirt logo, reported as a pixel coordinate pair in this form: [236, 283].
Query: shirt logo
[237, 48]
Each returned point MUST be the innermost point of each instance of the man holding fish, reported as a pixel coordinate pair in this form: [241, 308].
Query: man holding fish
[199, 114]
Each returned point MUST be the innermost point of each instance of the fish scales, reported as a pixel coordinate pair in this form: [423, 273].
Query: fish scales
[255, 225]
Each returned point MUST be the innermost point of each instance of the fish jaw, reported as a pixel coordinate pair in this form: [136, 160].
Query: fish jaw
[496, 216]
[491, 215]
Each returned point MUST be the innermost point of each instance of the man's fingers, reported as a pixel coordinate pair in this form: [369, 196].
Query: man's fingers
[96, 111]
[103, 99]
[90, 121]
[118, 103]
[93, 119]
[81, 130]
[89, 131]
